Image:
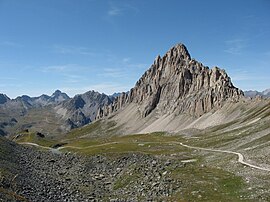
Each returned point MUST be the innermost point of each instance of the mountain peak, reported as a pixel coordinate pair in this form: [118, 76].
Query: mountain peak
[57, 92]
[177, 84]
[3, 98]
[179, 49]
[59, 96]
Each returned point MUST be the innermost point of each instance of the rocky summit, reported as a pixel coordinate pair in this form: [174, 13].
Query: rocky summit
[81, 109]
[176, 83]
[3, 98]
[183, 133]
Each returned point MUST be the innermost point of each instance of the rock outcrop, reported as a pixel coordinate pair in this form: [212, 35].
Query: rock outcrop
[58, 97]
[82, 109]
[3, 98]
[175, 83]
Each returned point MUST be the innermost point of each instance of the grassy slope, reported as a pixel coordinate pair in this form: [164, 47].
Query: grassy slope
[42, 119]
[199, 183]
[213, 177]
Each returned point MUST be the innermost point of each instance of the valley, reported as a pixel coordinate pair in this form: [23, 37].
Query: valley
[204, 165]
[134, 101]
[183, 133]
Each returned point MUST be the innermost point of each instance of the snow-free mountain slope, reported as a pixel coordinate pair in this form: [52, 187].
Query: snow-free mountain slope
[174, 88]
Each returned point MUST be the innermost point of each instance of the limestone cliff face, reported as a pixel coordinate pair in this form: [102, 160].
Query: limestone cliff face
[175, 83]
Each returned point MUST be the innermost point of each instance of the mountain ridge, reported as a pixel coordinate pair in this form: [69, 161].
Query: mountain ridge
[57, 113]
[175, 83]
[81, 109]
[176, 88]
[254, 93]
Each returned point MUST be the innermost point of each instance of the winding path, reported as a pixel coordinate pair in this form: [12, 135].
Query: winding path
[91, 146]
[240, 156]
[36, 145]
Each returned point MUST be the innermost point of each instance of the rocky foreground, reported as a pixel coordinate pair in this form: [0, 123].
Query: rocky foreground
[46, 176]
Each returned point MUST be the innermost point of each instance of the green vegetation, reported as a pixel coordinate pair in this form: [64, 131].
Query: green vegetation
[44, 120]
[32, 137]
[203, 183]
[125, 180]
[94, 129]
[210, 177]
[154, 143]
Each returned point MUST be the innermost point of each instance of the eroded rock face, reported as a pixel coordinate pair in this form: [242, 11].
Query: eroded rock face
[81, 109]
[175, 83]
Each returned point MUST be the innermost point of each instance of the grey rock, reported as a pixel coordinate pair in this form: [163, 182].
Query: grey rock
[254, 93]
[175, 83]
[4, 98]
[82, 109]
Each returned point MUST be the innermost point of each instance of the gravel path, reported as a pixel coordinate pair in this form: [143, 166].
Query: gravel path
[240, 156]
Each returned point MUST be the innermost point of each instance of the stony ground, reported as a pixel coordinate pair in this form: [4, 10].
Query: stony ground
[146, 167]
[44, 176]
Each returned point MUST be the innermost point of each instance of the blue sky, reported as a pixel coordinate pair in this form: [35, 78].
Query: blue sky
[106, 45]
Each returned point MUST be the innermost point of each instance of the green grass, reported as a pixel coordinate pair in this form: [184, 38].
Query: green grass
[96, 129]
[257, 141]
[205, 183]
[125, 180]
[219, 138]
[33, 138]
[198, 183]
[44, 120]
[155, 143]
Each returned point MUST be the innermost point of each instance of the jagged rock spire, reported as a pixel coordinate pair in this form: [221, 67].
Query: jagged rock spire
[175, 83]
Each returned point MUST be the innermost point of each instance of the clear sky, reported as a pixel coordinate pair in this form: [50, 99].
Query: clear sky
[106, 45]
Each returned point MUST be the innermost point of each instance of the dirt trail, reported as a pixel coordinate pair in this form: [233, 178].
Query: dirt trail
[99, 145]
[240, 156]
[36, 145]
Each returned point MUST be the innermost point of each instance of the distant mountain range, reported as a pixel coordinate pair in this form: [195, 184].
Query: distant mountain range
[200, 111]
[66, 113]
[82, 109]
[175, 85]
[254, 93]
[30, 102]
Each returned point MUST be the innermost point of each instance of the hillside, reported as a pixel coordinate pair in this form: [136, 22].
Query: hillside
[172, 94]
[51, 115]
[81, 109]
[189, 135]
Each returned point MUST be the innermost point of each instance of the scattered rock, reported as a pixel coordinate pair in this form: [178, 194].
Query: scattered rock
[38, 134]
[58, 145]
[45, 176]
